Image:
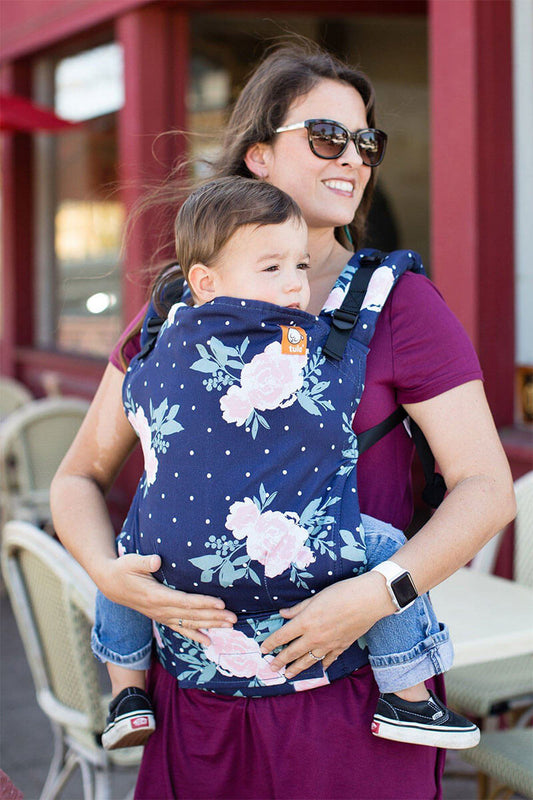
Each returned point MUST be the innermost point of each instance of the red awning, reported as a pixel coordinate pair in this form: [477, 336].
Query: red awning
[21, 114]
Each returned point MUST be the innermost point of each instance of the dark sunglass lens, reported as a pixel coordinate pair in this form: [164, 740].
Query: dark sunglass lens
[327, 139]
[371, 146]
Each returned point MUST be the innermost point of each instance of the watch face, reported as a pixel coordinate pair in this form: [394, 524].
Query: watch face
[404, 590]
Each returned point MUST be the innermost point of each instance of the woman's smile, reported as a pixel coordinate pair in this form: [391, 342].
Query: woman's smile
[342, 187]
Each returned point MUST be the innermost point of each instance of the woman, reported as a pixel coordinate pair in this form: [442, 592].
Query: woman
[315, 743]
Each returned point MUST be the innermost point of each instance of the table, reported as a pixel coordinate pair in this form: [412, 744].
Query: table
[489, 617]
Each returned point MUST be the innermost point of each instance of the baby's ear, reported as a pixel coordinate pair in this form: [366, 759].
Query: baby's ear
[201, 282]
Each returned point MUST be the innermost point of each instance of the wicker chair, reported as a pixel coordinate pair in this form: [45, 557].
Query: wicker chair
[33, 441]
[13, 395]
[53, 601]
[504, 760]
[495, 687]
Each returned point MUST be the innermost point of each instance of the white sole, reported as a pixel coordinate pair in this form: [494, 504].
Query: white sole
[131, 731]
[412, 733]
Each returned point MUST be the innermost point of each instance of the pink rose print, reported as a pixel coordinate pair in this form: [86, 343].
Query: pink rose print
[141, 426]
[236, 406]
[335, 298]
[310, 683]
[378, 289]
[270, 380]
[242, 516]
[272, 538]
[277, 542]
[239, 655]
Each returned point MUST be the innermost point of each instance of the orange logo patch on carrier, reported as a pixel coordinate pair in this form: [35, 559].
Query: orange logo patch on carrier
[293, 340]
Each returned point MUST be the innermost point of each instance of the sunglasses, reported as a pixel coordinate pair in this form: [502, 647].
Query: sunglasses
[329, 139]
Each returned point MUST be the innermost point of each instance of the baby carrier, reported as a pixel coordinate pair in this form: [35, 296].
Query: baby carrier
[244, 411]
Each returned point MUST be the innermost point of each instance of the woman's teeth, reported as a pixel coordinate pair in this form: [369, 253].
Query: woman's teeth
[341, 186]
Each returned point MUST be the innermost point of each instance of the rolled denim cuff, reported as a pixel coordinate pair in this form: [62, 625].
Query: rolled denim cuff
[139, 660]
[431, 656]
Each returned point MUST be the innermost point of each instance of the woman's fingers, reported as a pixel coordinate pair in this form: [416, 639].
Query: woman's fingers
[290, 613]
[308, 660]
[283, 636]
[326, 624]
[141, 591]
[195, 635]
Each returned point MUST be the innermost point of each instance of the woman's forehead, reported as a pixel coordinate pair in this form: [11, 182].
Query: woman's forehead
[329, 99]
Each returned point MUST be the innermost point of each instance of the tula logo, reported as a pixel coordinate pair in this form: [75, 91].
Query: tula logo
[293, 341]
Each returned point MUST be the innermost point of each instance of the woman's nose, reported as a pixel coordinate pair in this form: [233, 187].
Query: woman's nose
[351, 156]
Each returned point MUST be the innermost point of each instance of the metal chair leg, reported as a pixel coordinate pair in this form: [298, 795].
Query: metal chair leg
[102, 789]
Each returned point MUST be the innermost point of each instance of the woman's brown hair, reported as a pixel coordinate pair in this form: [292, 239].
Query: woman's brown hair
[285, 73]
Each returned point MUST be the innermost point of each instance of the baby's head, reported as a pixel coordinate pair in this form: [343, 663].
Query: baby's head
[240, 237]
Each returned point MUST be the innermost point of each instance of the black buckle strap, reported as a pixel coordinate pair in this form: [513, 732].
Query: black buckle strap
[344, 319]
[342, 325]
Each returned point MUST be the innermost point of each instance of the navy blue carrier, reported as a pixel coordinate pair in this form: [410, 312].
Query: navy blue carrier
[244, 411]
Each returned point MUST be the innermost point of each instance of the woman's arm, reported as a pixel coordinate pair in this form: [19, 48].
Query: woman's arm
[462, 435]
[82, 522]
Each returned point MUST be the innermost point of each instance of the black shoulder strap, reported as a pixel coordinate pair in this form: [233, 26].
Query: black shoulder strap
[435, 488]
[153, 322]
[343, 322]
[344, 319]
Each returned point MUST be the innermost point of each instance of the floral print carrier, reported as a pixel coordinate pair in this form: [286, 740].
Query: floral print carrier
[249, 491]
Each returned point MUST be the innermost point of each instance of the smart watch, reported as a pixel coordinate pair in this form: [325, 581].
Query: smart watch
[399, 584]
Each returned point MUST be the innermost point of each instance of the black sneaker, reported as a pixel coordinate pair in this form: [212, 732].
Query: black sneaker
[427, 722]
[131, 720]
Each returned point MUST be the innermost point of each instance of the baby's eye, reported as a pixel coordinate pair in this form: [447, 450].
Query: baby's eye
[304, 265]
[272, 268]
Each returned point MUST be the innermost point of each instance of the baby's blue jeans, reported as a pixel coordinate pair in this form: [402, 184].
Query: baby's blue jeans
[404, 649]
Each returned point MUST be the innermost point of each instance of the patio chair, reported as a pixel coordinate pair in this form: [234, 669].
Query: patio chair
[33, 441]
[495, 687]
[53, 601]
[504, 760]
[13, 395]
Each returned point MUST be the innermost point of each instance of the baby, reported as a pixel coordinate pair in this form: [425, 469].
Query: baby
[243, 239]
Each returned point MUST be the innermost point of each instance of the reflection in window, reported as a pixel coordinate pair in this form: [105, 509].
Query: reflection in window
[83, 215]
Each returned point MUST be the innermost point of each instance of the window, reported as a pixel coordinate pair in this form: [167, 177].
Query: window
[79, 212]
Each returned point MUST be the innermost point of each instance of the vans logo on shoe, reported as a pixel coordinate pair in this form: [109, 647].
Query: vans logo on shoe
[140, 722]
[439, 712]
[375, 726]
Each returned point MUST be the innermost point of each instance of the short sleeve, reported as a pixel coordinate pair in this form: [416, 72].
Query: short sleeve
[132, 346]
[431, 350]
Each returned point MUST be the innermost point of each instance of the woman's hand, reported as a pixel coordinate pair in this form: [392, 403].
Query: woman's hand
[129, 581]
[328, 623]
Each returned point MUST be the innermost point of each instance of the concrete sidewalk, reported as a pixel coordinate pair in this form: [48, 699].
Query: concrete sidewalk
[26, 741]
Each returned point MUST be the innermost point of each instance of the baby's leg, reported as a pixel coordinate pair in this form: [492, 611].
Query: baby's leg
[408, 648]
[405, 650]
[122, 638]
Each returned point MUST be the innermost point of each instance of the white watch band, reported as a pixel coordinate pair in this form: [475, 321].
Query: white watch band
[390, 572]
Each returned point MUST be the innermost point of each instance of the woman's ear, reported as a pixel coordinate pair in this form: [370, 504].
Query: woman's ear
[201, 281]
[257, 158]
